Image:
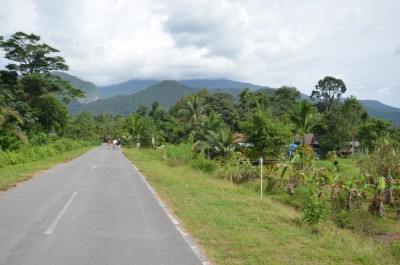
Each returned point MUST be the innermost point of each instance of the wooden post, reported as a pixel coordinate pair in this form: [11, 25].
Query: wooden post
[261, 177]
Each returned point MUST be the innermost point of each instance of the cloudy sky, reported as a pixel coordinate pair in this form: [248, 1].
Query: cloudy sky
[264, 42]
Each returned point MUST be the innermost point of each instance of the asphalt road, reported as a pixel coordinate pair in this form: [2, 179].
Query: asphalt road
[96, 209]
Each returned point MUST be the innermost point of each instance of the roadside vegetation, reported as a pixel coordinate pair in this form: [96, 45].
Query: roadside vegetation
[235, 226]
[25, 164]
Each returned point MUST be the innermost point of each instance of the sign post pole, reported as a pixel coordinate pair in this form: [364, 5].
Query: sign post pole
[261, 177]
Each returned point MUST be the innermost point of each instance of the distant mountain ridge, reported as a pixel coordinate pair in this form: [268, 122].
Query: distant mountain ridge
[135, 85]
[379, 110]
[167, 92]
[89, 88]
[125, 88]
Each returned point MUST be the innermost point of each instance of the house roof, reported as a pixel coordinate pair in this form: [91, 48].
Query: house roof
[309, 139]
[239, 138]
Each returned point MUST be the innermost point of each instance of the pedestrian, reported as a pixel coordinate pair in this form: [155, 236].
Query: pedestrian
[118, 143]
[114, 143]
[109, 143]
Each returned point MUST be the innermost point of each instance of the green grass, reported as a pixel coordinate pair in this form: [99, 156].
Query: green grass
[346, 166]
[234, 226]
[12, 175]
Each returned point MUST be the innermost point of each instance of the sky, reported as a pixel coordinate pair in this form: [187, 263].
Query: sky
[264, 42]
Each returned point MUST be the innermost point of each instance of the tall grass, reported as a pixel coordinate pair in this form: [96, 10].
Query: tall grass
[234, 226]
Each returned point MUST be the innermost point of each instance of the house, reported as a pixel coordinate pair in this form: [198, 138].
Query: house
[310, 140]
[349, 149]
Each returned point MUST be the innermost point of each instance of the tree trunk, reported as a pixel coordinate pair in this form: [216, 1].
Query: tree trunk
[377, 207]
[290, 188]
[348, 200]
[389, 192]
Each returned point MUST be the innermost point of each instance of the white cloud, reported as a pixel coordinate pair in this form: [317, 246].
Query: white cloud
[384, 91]
[268, 42]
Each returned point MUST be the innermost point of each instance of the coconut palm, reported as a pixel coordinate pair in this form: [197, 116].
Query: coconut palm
[306, 120]
[213, 122]
[192, 111]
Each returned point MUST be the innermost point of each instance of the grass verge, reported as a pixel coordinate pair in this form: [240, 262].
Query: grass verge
[10, 176]
[234, 226]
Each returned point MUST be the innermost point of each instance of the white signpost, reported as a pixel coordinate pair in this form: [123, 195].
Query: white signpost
[261, 177]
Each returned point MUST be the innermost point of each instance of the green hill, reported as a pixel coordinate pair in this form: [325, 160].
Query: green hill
[89, 88]
[126, 88]
[135, 85]
[166, 93]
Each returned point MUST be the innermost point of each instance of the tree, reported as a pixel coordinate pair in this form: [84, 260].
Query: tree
[192, 112]
[10, 118]
[37, 93]
[30, 56]
[329, 89]
[224, 105]
[10, 121]
[352, 114]
[51, 114]
[133, 125]
[373, 129]
[250, 102]
[284, 102]
[306, 120]
[104, 125]
[214, 136]
[36, 85]
[166, 124]
[84, 126]
[269, 137]
[147, 129]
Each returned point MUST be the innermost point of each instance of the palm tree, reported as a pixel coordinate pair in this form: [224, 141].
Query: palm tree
[218, 142]
[306, 120]
[193, 111]
[212, 122]
[214, 135]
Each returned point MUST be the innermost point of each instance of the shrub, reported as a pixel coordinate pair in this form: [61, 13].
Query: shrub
[238, 171]
[176, 155]
[41, 139]
[395, 247]
[204, 165]
[358, 220]
[37, 152]
[315, 209]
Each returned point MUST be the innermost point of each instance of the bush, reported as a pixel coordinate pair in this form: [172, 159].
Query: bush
[41, 139]
[358, 220]
[176, 155]
[35, 153]
[315, 209]
[204, 165]
[9, 142]
[395, 247]
[238, 171]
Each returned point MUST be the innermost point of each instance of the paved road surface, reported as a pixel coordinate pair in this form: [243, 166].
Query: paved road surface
[96, 209]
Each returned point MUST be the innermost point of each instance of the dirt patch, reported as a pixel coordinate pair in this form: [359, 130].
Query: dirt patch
[389, 238]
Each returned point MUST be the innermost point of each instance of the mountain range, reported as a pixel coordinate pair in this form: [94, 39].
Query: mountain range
[125, 98]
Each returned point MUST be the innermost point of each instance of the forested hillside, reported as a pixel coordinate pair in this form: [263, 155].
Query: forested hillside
[125, 88]
[88, 87]
[135, 85]
[165, 93]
